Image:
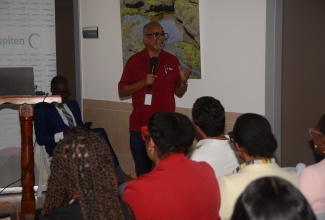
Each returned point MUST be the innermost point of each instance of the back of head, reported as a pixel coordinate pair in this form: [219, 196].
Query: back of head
[254, 133]
[82, 165]
[58, 80]
[209, 115]
[172, 132]
[272, 198]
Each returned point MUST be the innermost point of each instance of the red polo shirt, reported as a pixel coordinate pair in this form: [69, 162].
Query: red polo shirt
[177, 188]
[163, 89]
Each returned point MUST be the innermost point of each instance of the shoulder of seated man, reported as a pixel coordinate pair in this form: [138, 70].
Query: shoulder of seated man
[42, 105]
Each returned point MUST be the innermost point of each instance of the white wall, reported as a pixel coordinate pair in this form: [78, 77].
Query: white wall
[232, 53]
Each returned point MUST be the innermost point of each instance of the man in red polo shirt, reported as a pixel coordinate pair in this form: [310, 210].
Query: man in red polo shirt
[152, 77]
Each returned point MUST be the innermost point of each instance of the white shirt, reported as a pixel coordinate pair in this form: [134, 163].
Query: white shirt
[59, 136]
[218, 153]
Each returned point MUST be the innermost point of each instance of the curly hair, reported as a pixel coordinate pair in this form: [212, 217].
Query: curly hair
[82, 164]
[172, 132]
[254, 133]
[209, 114]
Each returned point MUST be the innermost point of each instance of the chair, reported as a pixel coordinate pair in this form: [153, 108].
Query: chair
[299, 167]
[44, 162]
[2, 207]
[320, 215]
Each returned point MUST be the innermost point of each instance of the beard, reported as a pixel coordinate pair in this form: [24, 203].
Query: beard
[159, 44]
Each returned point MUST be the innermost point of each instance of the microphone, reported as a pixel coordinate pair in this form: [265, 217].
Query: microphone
[153, 64]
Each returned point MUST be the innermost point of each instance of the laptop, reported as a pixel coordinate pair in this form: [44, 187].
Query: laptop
[16, 81]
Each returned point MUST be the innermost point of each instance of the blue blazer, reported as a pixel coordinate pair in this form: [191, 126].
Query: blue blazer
[47, 122]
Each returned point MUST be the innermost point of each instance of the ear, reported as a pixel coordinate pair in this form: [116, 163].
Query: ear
[240, 151]
[237, 148]
[151, 143]
[198, 130]
[145, 39]
[322, 145]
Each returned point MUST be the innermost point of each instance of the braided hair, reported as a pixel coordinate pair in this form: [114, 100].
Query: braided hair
[82, 164]
[172, 132]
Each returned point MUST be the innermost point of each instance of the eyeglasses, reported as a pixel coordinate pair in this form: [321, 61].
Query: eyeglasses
[145, 133]
[312, 132]
[156, 34]
[231, 137]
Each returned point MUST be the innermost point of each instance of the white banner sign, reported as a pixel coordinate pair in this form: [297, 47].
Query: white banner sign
[27, 39]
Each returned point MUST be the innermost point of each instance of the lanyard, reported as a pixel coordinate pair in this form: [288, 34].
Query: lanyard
[261, 161]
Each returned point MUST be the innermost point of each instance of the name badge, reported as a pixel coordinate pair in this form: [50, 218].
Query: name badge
[148, 98]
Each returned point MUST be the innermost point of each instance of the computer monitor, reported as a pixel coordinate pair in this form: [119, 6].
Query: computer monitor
[16, 81]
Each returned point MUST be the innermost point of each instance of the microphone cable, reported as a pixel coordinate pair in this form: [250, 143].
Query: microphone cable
[46, 94]
[30, 159]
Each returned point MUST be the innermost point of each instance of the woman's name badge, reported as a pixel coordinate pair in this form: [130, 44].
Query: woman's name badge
[148, 98]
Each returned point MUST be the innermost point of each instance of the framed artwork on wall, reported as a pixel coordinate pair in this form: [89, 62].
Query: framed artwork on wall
[179, 18]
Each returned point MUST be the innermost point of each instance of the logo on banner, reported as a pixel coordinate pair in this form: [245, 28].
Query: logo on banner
[11, 41]
[35, 41]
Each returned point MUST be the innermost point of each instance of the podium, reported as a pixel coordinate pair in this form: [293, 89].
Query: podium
[26, 115]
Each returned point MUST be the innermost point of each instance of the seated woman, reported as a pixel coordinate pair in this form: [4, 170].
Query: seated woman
[177, 187]
[312, 178]
[272, 198]
[255, 144]
[82, 184]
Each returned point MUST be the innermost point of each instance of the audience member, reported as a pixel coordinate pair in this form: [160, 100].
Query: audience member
[255, 144]
[209, 118]
[82, 184]
[152, 77]
[272, 198]
[54, 121]
[312, 178]
[177, 187]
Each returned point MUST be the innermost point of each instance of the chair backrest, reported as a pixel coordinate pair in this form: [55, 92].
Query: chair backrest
[299, 167]
[3, 204]
[320, 215]
[44, 163]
